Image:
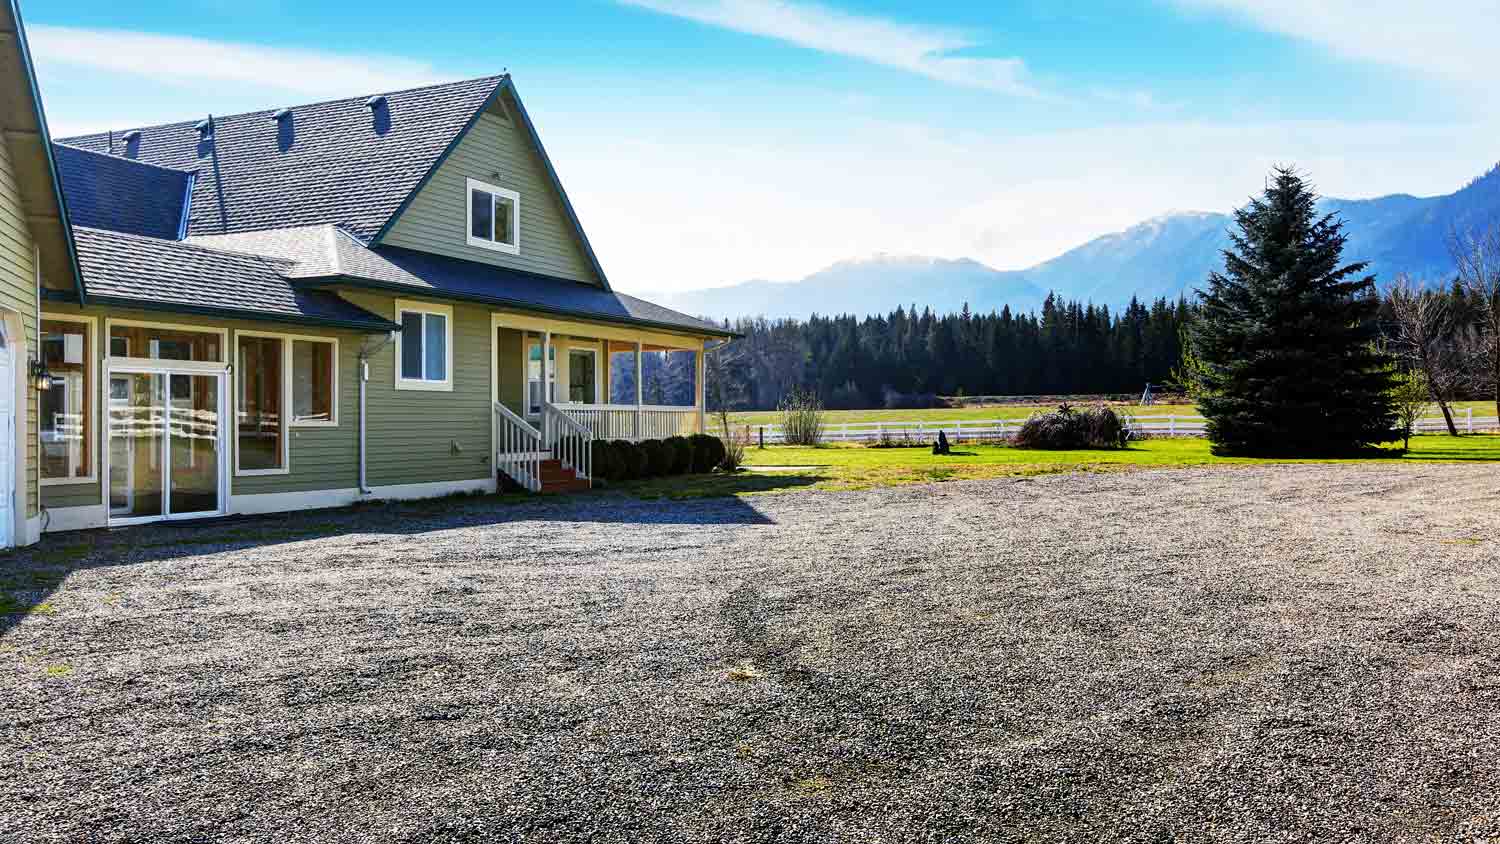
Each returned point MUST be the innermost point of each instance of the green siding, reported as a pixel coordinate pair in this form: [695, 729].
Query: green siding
[409, 432]
[18, 292]
[510, 370]
[436, 219]
[412, 433]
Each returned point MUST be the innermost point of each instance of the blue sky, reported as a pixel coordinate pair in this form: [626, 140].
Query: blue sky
[711, 141]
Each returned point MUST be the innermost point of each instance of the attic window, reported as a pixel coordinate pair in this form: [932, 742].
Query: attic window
[494, 217]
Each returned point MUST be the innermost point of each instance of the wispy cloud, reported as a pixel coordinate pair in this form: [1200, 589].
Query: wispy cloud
[194, 61]
[1455, 39]
[926, 50]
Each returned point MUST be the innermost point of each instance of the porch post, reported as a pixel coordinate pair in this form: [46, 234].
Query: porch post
[639, 389]
[702, 388]
[546, 376]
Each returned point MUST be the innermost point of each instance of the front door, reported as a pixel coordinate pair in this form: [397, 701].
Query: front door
[167, 445]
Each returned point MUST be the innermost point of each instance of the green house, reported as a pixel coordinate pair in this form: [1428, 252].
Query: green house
[386, 296]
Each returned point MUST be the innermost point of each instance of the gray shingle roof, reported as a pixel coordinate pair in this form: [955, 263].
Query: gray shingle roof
[118, 194]
[334, 162]
[329, 253]
[152, 273]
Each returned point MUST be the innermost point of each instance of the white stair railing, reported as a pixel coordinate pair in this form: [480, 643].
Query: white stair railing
[570, 442]
[519, 448]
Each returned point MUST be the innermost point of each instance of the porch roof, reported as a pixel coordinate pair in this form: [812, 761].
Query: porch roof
[151, 273]
[330, 255]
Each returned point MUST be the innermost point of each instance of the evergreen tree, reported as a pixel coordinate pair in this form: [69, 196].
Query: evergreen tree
[1286, 336]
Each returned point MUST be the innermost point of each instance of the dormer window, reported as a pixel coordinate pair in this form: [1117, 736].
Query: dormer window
[494, 217]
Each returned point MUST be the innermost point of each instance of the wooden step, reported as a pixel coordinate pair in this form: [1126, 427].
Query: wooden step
[564, 487]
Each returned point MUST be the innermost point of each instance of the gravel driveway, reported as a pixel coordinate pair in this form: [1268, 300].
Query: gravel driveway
[1304, 653]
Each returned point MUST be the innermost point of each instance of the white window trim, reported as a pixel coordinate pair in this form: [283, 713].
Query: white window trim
[526, 344]
[446, 311]
[223, 334]
[472, 185]
[594, 349]
[286, 405]
[90, 379]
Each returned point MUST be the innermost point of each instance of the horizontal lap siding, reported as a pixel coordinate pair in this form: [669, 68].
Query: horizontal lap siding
[18, 293]
[412, 433]
[437, 219]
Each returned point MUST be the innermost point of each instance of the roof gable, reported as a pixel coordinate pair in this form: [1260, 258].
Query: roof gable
[118, 194]
[499, 146]
[343, 161]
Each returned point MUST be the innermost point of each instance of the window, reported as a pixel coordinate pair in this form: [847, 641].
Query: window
[424, 347]
[314, 382]
[164, 342]
[494, 217]
[534, 378]
[260, 430]
[581, 377]
[66, 407]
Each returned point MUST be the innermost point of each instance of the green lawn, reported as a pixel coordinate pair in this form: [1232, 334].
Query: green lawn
[1013, 411]
[859, 467]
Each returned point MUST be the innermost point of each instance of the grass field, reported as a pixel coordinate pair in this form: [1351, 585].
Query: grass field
[846, 467]
[1012, 411]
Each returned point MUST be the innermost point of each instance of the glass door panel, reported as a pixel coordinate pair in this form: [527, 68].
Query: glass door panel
[137, 437]
[193, 443]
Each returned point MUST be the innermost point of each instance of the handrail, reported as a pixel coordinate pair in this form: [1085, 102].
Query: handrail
[658, 408]
[517, 420]
[573, 446]
[518, 448]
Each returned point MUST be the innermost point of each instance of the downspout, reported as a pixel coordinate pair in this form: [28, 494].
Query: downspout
[365, 352]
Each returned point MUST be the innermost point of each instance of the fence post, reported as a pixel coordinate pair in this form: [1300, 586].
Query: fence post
[1171, 426]
[762, 436]
[1471, 419]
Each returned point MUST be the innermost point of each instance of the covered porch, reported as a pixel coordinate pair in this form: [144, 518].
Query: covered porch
[559, 385]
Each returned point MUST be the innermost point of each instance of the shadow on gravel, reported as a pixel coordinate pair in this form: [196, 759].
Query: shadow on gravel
[30, 576]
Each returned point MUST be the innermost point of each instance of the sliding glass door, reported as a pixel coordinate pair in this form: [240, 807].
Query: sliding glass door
[166, 444]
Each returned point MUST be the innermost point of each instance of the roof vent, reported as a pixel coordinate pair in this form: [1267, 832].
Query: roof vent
[281, 114]
[131, 135]
[375, 102]
[205, 126]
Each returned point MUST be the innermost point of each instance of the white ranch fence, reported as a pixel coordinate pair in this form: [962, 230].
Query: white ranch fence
[971, 430]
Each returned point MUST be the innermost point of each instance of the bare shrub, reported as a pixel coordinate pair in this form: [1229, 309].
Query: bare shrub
[1066, 428]
[801, 417]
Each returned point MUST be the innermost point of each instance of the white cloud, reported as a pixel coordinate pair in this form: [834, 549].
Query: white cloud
[198, 62]
[698, 211]
[925, 50]
[1454, 39]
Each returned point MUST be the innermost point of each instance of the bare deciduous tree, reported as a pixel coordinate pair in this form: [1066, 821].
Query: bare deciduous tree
[1425, 338]
[1477, 254]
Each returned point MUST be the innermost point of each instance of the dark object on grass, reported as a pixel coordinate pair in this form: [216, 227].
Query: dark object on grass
[1066, 428]
[941, 446]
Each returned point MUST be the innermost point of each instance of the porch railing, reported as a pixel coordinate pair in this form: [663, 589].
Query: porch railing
[570, 442]
[628, 422]
[519, 448]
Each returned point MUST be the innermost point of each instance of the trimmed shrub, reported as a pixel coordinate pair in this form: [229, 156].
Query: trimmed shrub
[1066, 428]
[703, 452]
[682, 455]
[606, 462]
[663, 457]
[629, 462]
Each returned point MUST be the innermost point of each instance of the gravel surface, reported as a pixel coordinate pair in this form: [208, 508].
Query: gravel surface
[1306, 653]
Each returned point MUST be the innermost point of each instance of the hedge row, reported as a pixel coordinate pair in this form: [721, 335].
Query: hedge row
[620, 460]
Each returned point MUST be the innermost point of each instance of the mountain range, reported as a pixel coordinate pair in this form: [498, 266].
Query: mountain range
[1169, 256]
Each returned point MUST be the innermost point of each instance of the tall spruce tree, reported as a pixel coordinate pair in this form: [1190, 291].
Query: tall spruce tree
[1285, 338]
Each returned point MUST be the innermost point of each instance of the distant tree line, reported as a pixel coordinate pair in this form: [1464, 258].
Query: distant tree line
[907, 358]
